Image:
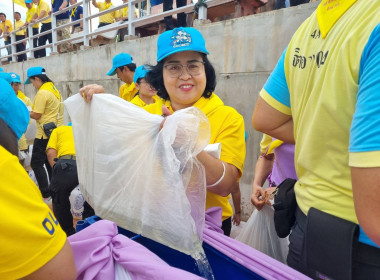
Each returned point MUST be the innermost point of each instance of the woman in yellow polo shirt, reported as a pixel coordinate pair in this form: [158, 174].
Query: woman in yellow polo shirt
[146, 93]
[47, 108]
[184, 77]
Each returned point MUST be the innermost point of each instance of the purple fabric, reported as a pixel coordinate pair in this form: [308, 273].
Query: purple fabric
[283, 166]
[243, 254]
[97, 248]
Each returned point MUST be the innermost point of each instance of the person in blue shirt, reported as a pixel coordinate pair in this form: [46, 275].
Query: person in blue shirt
[75, 14]
[62, 19]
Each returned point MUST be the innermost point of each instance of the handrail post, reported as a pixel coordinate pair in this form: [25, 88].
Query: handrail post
[13, 46]
[54, 32]
[30, 40]
[131, 18]
[202, 12]
[86, 40]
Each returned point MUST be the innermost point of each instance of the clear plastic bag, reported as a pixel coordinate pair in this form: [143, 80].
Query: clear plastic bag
[260, 233]
[147, 181]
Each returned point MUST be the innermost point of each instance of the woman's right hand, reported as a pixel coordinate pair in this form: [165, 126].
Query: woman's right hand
[88, 91]
[258, 197]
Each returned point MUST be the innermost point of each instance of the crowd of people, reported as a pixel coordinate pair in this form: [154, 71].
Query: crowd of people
[320, 121]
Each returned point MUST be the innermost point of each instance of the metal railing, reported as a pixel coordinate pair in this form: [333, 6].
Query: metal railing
[132, 23]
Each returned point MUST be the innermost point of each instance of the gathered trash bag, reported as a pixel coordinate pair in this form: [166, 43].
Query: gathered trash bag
[146, 180]
[31, 130]
[76, 202]
[260, 233]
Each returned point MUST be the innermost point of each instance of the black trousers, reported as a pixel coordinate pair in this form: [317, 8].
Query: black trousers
[39, 159]
[298, 2]
[20, 47]
[181, 17]
[42, 39]
[365, 263]
[35, 40]
[226, 226]
[101, 24]
[64, 180]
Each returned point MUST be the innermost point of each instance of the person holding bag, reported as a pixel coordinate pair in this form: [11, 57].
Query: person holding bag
[47, 110]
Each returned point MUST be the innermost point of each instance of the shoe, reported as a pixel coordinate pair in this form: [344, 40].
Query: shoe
[48, 200]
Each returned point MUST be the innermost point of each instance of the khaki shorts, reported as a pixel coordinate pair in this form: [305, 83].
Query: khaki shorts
[63, 34]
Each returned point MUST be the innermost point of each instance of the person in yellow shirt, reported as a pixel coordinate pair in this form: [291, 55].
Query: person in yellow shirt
[184, 77]
[146, 93]
[6, 28]
[107, 18]
[29, 15]
[122, 15]
[60, 152]
[33, 244]
[15, 83]
[47, 110]
[124, 67]
[20, 35]
[43, 10]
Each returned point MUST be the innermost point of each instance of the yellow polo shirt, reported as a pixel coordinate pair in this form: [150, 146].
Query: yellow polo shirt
[22, 144]
[227, 128]
[29, 15]
[30, 234]
[139, 102]
[7, 23]
[18, 25]
[107, 18]
[46, 103]
[43, 6]
[62, 140]
[128, 91]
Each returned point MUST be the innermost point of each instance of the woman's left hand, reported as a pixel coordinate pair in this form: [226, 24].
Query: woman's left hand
[88, 91]
[236, 219]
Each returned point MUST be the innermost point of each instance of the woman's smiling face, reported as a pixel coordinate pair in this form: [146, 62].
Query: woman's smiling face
[185, 89]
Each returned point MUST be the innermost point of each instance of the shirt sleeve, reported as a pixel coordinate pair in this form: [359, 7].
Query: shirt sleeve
[275, 91]
[53, 140]
[232, 138]
[365, 128]
[30, 234]
[265, 142]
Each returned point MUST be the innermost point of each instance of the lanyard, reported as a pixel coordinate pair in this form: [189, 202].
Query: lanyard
[73, 11]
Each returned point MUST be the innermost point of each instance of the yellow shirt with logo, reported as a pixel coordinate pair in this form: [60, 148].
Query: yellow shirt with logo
[62, 140]
[22, 144]
[107, 18]
[7, 23]
[128, 91]
[47, 102]
[43, 6]
[18, 25]
[30, 234]
[139, 102]
[227, 128]
[319, 73]
[124, 12]
[29, 15]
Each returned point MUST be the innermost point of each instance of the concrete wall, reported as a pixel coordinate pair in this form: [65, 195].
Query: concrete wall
[243, 51]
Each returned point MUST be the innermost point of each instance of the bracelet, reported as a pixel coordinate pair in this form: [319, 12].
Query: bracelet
[221, 178]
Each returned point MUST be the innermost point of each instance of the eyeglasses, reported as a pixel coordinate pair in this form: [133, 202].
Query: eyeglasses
[176, 69]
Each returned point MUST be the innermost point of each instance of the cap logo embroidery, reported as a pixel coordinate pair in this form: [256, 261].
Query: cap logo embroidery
[13, 75]
[180, 38]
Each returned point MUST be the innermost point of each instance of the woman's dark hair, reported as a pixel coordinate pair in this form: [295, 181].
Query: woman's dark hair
[8, 138]
[43, 78]
[155, 78]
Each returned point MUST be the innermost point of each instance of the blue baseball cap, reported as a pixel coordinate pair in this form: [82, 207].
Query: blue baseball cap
[6, 77]
[180, 40]
[140, 72]
[33, 71]
[12, 110]
[14, 77]
[1, 69]
[28, 1]
[118, 60]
